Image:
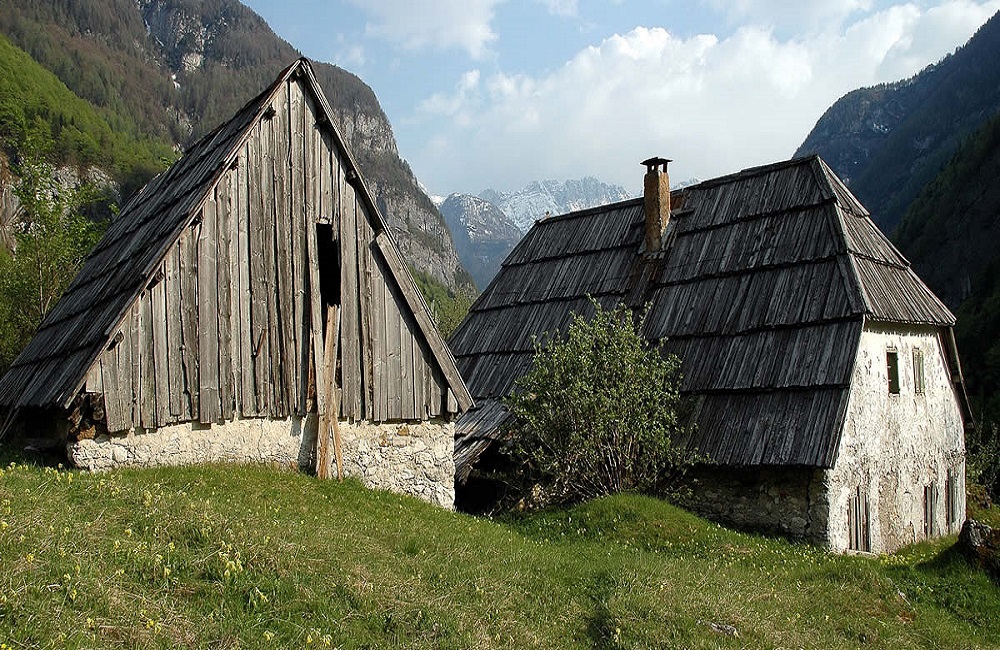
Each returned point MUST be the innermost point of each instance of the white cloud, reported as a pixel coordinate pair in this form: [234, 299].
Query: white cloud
[561, 7]
[460, 105]
[795, 15]
[714, 104]
[433, 24]
[936, 31]
[349, 55]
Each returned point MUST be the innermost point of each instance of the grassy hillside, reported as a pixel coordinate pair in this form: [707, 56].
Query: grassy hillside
[33, 97]
[237, 557]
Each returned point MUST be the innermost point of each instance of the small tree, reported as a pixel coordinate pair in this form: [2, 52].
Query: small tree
[52, 238]
[598, 412]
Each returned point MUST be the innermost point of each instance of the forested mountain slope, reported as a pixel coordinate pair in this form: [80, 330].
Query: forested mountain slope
[951, 234]
[889, 141]
[81, 136]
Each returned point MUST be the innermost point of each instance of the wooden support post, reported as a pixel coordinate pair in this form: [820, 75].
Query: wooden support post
[330, 408]
[337, 449]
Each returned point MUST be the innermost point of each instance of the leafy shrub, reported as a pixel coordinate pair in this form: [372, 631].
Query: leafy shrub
[982, 461]
[598, 413]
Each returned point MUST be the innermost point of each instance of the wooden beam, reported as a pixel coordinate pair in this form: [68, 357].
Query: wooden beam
[300, 207]
[161, 376]
[315, 305]
[351, 364]
[284, 360]
[330, 410]
[174, 324]
[247, 401]
[224, 283]
[208, 317]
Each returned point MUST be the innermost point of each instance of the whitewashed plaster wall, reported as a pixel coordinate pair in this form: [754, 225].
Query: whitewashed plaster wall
[415, 458]
[893, 445]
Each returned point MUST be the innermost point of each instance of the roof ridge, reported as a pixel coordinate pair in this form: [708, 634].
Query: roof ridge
[849, 274]
[750, 172]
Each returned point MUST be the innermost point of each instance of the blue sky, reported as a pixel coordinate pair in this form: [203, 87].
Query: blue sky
[497, 93]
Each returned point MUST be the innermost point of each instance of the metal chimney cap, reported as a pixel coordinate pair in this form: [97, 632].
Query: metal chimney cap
[653, 163]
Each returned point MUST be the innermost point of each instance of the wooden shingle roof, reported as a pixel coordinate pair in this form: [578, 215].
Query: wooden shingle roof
[52, 366]
[766, 279]
[52, 369]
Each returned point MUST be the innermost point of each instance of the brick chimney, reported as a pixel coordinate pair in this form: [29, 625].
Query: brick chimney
[656, 201]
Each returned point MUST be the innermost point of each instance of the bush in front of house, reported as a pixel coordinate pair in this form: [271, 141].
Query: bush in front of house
[598, 413]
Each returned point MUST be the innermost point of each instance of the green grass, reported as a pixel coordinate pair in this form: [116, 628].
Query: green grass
[245, 557]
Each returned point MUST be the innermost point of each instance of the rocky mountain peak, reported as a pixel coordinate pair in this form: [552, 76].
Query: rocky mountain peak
[540, 198]
[483, 234]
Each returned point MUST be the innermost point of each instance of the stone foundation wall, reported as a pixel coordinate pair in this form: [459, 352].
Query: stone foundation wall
[783, 501]
[415, 458]
[286, 443]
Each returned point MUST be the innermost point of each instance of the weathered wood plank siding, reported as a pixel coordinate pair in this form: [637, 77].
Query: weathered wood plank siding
[233, 325]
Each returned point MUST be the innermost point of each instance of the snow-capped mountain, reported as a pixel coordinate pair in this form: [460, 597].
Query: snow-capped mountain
[537, 199]
[482, 233]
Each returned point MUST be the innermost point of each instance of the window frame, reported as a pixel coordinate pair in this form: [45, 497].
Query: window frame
[859, 532]
[930, 509]
[951, 487]
[892, 369]
[919, 385]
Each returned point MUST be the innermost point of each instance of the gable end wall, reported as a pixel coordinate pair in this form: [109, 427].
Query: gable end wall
[893, 446]
[216, 359]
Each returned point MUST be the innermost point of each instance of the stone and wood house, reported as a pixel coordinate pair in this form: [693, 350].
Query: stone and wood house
[822, 373]
[250, 304]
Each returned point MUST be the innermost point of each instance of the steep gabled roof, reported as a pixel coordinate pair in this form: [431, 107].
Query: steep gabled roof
[763, 287]
[51, 370]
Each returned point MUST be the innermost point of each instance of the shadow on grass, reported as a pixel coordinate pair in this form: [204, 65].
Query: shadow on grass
[22, 452]
[954, 560]
[951, 581]
[602, 627]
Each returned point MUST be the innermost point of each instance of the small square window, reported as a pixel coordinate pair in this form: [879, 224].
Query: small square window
[892, 365]
[918, 372]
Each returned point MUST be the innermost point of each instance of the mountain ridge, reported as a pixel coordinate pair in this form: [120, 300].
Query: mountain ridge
[888, 141]
[487, 226]
[550, 197]
[483, 234]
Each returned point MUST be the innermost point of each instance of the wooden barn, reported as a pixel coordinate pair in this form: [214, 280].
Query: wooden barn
[250, 304]
[822, 373]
